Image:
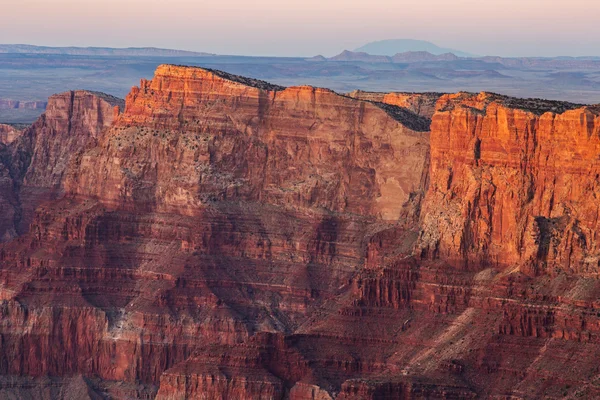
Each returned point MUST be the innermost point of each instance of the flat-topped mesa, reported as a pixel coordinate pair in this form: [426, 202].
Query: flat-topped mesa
[481, 101]
[191, 135]
[189, 87]
[420, 56]
[511, 183]
[178, 93]
[245, 243]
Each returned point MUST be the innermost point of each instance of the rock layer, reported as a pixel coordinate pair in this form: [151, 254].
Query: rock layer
[213, 208]
[223, 237]
[423, 104]
[190, 136]
[36, 159]
[513, 184]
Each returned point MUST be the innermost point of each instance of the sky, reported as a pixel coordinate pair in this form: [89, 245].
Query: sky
[308, 27]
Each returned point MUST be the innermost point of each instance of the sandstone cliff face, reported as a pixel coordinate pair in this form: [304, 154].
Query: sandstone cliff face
[190, 136]
[8, 197]
[8, 201]
[228, 238]
[72, 121]
[513, 185]
[33, 161]
[214, 208]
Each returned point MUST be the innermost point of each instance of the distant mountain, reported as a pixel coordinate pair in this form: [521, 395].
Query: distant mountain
[407, 57]
[394, 46]
[316, 58]
[359, 56]
[98, 51]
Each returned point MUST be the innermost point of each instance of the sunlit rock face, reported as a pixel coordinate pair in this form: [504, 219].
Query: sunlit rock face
[514, 183]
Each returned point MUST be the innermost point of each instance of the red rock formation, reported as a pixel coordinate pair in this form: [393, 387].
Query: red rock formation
[33, 162]
[299, 147]
[214, 207]
[72, 122]
[228, 238]
[8, 134]
[512, 185]
[423, 104]
[8, 201]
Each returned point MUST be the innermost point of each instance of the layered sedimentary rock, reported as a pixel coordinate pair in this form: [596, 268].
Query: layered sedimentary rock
[8, 134]
[190, 136]
[223, 238]
[514, 183]
[423, 104]
[34, 160]
[213, 208]
[72, 121]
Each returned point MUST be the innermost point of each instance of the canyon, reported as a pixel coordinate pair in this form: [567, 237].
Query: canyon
[220, 237]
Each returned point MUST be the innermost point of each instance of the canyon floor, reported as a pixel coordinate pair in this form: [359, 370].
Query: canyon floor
[214, 236]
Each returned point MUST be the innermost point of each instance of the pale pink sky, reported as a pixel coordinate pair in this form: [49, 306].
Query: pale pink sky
[308, 27]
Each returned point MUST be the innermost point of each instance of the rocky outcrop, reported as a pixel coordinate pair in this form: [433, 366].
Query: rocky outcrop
[215, 207]
[512, 184]
[190, 137]
[423, 104]
[8, 134]
[46, 388]
[33, 161]
[72, 121]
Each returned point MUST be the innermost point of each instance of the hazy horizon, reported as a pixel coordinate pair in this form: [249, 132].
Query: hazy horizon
[309, 27]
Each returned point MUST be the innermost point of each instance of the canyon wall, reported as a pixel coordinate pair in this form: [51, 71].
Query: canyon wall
[222, 237]
[72, 122]
[190, 136]
[34, 160]
[8, 134]
[513, 183]
[213, 208]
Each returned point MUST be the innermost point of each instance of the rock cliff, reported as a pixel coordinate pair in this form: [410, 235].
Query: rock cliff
[223, 237]
[8, 134]
[191, 136]
[34, 160]
[513, 184]
[213, 208]
[72, 121]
